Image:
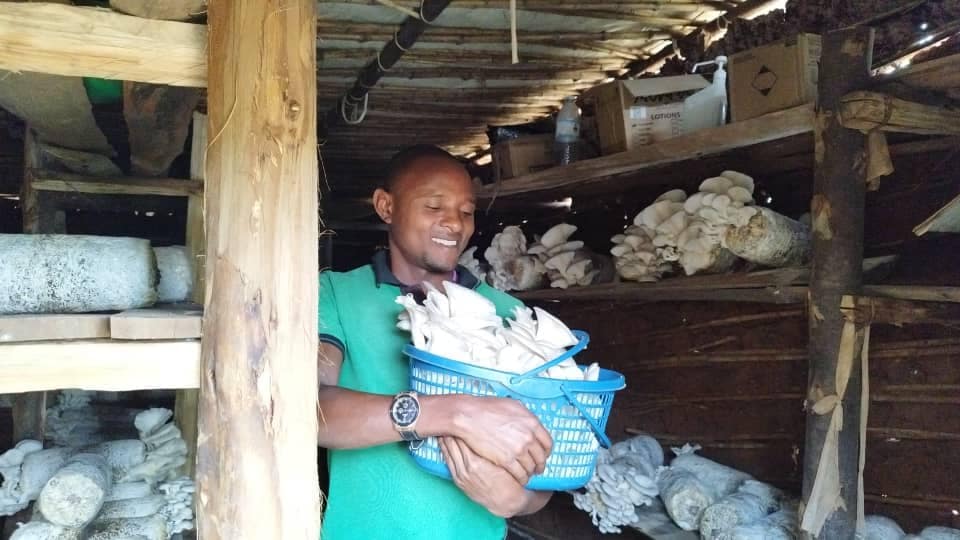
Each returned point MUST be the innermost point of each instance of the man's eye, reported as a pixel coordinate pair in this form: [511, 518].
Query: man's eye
[468, 213]
[432, 207]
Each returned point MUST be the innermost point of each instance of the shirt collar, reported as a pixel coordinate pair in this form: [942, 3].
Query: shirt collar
[382, 274]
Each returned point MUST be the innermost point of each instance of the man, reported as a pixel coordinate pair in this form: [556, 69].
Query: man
[492, 445]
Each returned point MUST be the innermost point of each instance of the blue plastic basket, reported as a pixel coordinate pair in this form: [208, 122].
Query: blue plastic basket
[574, 412]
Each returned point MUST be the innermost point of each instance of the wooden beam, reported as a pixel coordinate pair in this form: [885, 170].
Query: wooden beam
[773, 126]
[72, 183]
[941, 74]
[924, 293]
[187, 401]
[831, 459]
[867, 111]
[901, 312]
[90, 42]
[258, 418]
[99, 365]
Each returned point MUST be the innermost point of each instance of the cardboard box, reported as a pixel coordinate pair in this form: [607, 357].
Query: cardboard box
[523, 155]
[641, 111]
[774, 77]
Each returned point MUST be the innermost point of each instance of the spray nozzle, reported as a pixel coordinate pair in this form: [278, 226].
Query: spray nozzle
[720, 61]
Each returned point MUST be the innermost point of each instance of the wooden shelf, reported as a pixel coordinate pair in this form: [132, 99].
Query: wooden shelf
[138, 349]
[708, 142]
[102, 364]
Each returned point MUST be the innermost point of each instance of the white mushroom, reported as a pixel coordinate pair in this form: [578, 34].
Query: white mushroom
[557, 235]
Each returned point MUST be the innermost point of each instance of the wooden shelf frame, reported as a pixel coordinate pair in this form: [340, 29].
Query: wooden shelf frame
[102, 364]
[708, 142]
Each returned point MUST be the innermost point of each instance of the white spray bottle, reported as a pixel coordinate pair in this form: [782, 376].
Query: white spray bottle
[708, 107]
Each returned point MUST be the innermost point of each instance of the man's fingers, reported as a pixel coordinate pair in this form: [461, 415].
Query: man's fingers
[543, 437]
[453, 457]
[528, 463]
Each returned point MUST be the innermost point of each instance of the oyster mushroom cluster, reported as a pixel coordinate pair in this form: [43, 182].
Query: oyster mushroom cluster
[461, 325]
[553, 259]
[511, 267]
[707, 232]
[625, 478]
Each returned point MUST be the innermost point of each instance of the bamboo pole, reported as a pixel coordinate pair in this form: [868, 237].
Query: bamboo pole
[832, 455]
[257, 452]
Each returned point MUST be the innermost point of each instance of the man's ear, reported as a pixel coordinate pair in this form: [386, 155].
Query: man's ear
[383, 205]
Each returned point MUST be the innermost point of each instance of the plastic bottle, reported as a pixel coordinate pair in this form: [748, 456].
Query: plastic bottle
[708, 107]
[567, 135]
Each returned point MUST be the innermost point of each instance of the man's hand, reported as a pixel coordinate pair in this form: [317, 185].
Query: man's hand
[505, 433]
[487, 484]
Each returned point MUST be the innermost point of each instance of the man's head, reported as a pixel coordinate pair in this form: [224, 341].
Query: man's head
[428, 201]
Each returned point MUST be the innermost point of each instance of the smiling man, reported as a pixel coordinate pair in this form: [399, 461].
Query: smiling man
[368, 415]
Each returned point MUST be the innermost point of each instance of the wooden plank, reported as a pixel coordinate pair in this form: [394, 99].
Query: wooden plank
[47, 327]
[946, 219]
[929, 293]
[195, 235]
[707, 142]
[185, 416]
[867, 111]
[831, 455]
[140, 324]
[99, 365]
[187, 401]
[257, 414]
[90, 42]
[67, 183]
[941, 74]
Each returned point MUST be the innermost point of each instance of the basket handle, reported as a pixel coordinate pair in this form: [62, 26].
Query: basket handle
[601, 436]
[583, 339]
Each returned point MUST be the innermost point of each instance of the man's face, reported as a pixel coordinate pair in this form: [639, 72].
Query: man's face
[430, 210]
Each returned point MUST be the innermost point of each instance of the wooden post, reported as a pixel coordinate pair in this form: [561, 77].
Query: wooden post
[185, 411]
[831, 458]
[30, 408]
[257, 454]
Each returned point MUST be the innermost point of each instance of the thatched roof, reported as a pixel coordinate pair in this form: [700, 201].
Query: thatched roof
[459, 79]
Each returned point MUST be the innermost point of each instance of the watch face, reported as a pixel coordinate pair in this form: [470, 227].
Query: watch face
[405, 411]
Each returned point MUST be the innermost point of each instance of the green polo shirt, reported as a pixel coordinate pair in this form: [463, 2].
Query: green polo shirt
[379, 493]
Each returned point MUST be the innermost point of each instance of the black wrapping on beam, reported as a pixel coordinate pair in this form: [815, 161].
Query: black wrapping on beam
[403, 40]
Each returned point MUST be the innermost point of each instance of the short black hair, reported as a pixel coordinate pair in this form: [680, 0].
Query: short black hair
[401, 162]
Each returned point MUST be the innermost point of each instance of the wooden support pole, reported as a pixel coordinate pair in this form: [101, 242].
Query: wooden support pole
[30, 408]
[257, 454]
[831, 459]
[185, 410]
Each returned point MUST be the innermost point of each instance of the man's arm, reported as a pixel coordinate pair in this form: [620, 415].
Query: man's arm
[488, 485]
[502, 431]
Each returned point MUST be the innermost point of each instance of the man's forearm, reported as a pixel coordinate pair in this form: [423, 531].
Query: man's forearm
[535, 502]
[349, 419]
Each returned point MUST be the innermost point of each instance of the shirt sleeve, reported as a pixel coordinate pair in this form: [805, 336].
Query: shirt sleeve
[330, 330]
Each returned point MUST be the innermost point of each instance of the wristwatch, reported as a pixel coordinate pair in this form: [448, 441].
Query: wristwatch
[405, 411]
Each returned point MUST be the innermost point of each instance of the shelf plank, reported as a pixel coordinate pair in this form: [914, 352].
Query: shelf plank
[72, 183]
[46, 327]
[707, 142]
[140, 324]
[107, 365]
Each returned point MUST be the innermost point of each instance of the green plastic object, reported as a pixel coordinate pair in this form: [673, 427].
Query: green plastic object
[103, 91]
